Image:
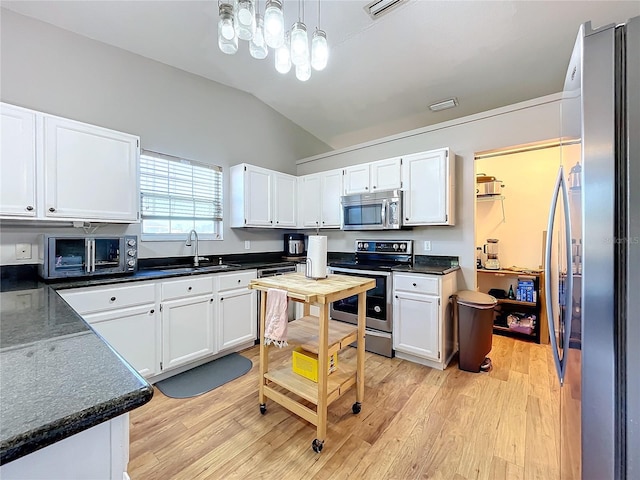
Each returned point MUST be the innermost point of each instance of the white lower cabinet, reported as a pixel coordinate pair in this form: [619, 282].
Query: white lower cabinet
[187, 311]
[133, 333]
[126, 317]
[423, 327]
[237, 318]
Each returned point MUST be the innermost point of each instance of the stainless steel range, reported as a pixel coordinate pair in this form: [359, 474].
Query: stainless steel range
[374, 259]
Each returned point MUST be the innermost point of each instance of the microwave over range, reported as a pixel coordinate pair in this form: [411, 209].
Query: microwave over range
[372, 211]
[80, 256]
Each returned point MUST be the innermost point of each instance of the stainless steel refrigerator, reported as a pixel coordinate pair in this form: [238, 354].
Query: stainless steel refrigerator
[593, 253]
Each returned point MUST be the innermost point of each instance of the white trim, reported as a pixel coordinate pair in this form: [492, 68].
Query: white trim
[555, 97]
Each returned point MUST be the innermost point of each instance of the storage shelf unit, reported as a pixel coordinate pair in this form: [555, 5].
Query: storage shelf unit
[501, 279]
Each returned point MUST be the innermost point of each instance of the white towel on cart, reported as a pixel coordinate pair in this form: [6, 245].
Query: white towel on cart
[277, 319]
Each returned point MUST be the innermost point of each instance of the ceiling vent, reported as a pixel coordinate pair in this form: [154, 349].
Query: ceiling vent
[450, 103]
[378, 8]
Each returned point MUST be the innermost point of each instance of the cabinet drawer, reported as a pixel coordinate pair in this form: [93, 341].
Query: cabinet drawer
[109, 298]
[188, 287]
[235, 280]
[417, 283]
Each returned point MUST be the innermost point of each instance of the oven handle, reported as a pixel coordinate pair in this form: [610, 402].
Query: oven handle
[359, 272]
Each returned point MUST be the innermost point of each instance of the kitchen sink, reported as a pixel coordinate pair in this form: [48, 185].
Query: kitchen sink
[216, 268]
[186, 270]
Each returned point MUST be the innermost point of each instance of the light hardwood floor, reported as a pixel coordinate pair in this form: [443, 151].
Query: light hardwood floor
[415, 423]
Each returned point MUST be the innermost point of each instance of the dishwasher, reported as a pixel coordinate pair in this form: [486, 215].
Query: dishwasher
[272, 272]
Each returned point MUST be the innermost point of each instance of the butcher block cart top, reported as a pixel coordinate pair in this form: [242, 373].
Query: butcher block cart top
[318, 335]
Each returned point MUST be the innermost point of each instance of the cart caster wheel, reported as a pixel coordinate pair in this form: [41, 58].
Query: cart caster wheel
[263, 408]
[356, 408]
[317, 445]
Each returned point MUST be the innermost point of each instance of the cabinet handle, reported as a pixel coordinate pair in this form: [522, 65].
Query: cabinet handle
[396, 296]
[29, 208]
[190, 288]
[51, 209]
[415, 285]
[211, 300]
[239, 280]
[374, 187]
[366, 188]
[152, 310]
[113, 299]
[407, 219]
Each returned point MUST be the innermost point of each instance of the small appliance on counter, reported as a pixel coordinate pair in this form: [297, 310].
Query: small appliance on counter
[491, 250]
[294, 245]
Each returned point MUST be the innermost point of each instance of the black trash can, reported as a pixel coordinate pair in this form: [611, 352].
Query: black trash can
[474, 311]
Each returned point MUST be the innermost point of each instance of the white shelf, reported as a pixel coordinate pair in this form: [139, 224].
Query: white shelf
[492, 198]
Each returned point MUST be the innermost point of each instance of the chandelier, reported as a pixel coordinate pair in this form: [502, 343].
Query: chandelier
[240, 19]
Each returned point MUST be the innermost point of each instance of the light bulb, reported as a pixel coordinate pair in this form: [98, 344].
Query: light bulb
[319, 50]
[227, 39]
[274, 24]
[283, 57]
[245, 19]
[299, 44]
[303, 71]
[257, 46]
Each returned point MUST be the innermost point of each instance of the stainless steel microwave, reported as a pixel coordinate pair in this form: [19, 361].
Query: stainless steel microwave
[81, 256]
[372, 211]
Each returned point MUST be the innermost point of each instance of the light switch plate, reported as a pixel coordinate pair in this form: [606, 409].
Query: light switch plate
[23, 251]
[427, 245]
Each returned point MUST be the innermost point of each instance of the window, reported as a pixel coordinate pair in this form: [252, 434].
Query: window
[178, 195]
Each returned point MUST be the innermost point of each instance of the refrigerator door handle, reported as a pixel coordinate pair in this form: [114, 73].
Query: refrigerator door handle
[547, 277]
[568, 291]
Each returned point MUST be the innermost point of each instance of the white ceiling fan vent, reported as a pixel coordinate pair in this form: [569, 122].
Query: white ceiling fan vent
[377, 8]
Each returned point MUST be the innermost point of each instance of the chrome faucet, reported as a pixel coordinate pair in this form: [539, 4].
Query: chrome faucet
[196, 258]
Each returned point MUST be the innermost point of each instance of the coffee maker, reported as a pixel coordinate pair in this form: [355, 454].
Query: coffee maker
[294, 245]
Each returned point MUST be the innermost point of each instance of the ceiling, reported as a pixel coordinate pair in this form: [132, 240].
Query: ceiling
[382, 74]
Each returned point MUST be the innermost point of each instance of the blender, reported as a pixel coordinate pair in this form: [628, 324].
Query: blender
[491, 250]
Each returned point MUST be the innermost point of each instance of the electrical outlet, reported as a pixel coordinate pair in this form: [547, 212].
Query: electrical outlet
[23, 251]
[427, 245]
[247, 244]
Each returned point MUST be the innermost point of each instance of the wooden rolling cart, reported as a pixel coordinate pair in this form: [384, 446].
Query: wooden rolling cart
[318, 335]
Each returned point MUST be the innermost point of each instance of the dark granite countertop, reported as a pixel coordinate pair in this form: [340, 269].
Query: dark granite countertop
[57, 377]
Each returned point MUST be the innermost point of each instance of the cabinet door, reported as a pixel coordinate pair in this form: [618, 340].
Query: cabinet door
[425, 178]
[416, 325]
[90, 172]
[187, 330]
[356, 179]
[284, 197]
[385, 174]
[18, 162]
[237, 318]
[258, 197]
[331, 192]
[309, 208]
[133, 333]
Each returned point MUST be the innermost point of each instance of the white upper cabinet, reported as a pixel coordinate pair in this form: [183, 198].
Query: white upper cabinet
[18, 162]
[59, 169]
[319, 199]
[373, 176]
[285, 202]
[429, 188]
[262, 198]
[90, 172]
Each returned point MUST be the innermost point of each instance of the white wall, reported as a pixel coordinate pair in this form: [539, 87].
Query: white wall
[528, 178]
[54, 71]
[528, 122]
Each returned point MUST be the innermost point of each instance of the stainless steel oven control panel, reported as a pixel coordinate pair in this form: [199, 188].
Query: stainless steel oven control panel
[404, 247]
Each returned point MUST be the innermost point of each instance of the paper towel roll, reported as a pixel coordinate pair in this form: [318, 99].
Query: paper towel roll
[317, 256]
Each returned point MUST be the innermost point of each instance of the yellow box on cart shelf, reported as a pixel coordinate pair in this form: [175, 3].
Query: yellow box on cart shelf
[306, 363]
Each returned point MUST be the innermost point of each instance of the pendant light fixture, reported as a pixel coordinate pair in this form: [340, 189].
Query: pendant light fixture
[242, 19]
[245, 19]
[257, 45]
[274, 24]
[299, 39]
[283, 57]
[319, 48]
[227, 38]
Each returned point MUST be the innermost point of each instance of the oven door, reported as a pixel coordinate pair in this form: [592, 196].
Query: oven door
[379, 307]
